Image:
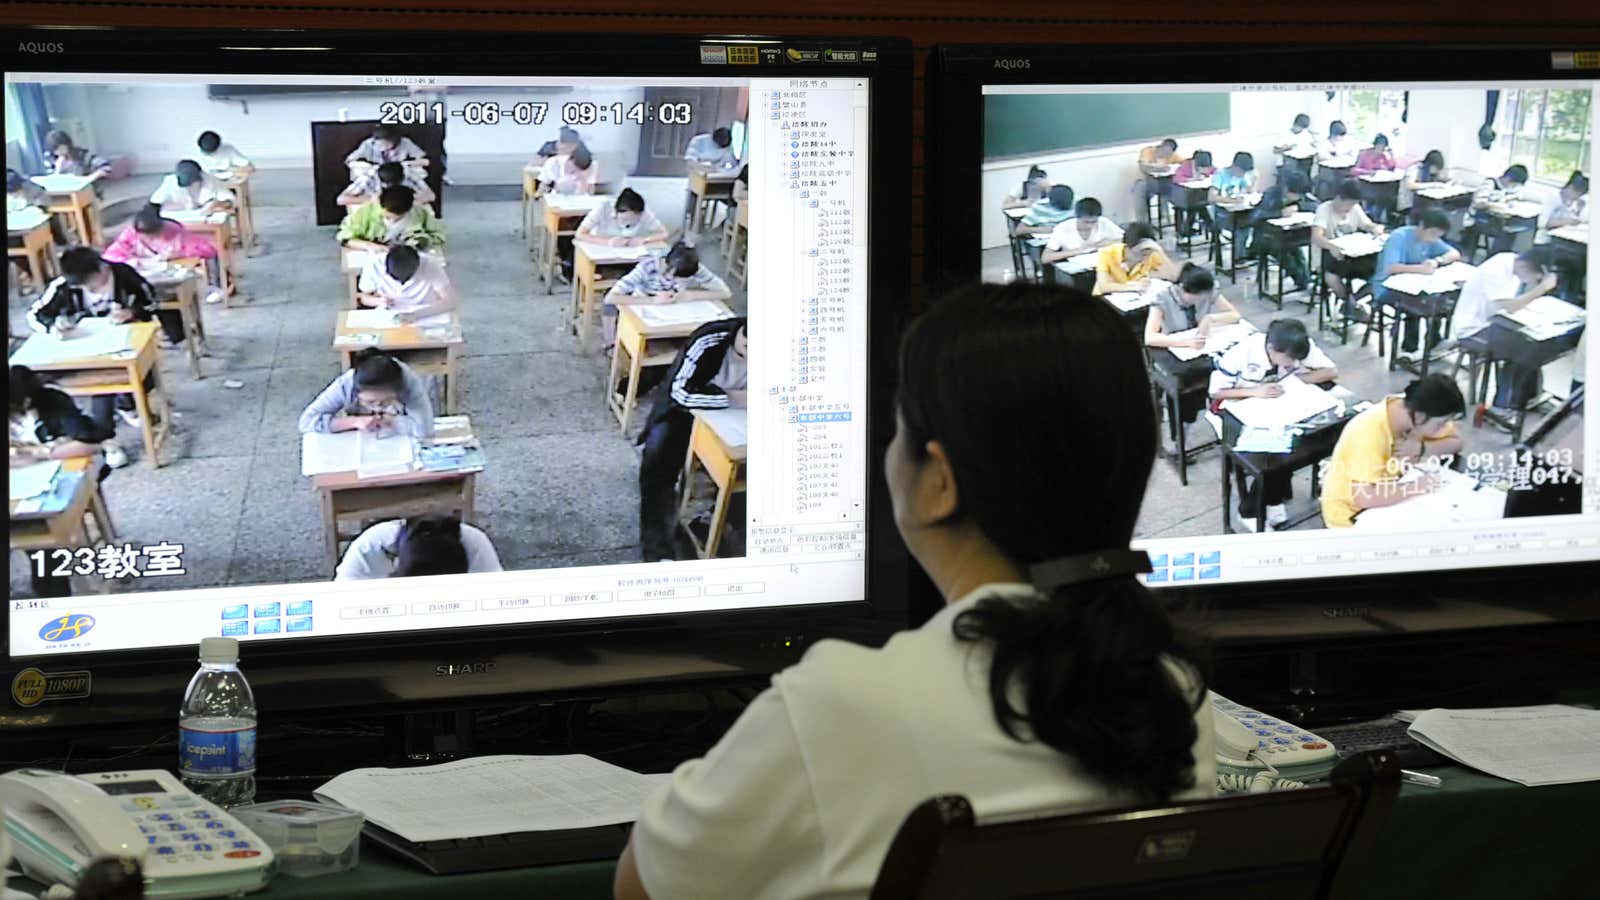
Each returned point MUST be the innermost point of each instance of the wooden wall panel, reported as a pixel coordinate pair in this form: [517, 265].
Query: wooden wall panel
[925, 22]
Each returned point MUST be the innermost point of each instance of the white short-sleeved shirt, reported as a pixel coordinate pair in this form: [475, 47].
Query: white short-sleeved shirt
[1246, 365]
[1495, 280]
[1338, 151]
[1301, 143]
[1067, 237]
[172, 197]
[567, 178]
[1553, 206]
[804, 794]
[1334, 225]
[603, 221]
[226, 159]
[426, 286]
[376, 552]
[704, 150]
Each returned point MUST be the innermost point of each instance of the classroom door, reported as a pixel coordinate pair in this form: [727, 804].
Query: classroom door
[661, 146]
[331, 142]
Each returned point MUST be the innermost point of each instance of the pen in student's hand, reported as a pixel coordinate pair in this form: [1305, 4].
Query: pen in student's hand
[1422, 778]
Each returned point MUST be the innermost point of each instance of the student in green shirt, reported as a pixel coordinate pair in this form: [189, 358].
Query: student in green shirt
[394, 219]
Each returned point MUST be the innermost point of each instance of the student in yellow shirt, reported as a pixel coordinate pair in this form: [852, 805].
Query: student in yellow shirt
[1129, 265]
[1384, 442]
[1156, 159]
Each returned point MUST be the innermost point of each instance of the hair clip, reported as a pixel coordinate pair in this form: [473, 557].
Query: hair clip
[1096, 566]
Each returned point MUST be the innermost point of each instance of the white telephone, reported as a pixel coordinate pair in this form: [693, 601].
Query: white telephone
[1256, 752]
[190, 848]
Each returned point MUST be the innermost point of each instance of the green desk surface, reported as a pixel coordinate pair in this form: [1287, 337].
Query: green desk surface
[1475, 836]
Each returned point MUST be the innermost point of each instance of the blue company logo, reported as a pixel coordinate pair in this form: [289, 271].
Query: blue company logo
[68, 627]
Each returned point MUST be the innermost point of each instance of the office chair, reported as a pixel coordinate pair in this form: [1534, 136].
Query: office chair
[1311, 844]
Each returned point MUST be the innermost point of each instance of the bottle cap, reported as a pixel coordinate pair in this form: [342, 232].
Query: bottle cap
[219, 650]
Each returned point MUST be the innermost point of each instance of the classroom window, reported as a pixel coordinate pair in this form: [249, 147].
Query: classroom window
[1369, 113]
[1547, 131]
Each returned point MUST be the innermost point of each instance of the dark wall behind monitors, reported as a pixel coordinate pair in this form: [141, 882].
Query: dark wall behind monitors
[794, 157]
[1236, 157]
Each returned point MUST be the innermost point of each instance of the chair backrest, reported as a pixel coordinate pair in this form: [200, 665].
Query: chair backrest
[1312, 844]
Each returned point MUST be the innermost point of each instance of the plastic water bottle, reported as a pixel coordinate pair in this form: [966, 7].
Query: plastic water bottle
[217, 728]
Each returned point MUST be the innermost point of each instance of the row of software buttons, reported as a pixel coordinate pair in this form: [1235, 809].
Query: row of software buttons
[267, 610]
[267, 626]
[1336, 557]
[1203, 566]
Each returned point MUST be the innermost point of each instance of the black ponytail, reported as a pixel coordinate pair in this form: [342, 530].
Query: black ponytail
[1094, 670]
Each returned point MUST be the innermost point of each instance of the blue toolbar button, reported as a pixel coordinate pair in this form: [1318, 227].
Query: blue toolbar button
[301, 624]
[268, 610]
[237, 611]
[1158, 560]
[1210, 572]
[1183, 559]
[1156, 577]
[1184, 574]
[268, 626]
[298, 608]
[235, 629]
[1211, 559]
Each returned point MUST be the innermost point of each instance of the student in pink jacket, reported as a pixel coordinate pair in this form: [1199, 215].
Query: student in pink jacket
[151, 238]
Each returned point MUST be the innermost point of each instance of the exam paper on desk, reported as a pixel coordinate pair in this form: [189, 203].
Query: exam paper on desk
[94, 336]
[1359, 244]
[1299, 401]
[1458, 499]
[1531, 745]
[680, 313]
[62, 184]
[25, 219]
[1218, 340]
[494, 795]
[34, 479]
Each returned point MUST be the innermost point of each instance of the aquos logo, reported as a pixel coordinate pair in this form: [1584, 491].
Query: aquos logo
[67, 628]
[1012, 64]
[41, 47]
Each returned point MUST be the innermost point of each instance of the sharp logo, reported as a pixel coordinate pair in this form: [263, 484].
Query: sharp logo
[451, 670]
[41, 47]
[1012, 64]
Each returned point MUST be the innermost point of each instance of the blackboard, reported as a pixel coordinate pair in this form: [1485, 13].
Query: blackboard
[1033, 124]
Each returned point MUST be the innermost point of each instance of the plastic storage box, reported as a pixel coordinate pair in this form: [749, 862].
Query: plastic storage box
[309, 838]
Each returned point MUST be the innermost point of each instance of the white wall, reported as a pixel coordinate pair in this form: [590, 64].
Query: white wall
[157, 125]
[1109, 173]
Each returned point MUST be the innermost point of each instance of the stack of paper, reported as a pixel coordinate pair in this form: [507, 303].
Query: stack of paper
[1128, 301]
[62, 184]
[1575, 233]
[493, 795]
[373, 319]
[1359, 244]
[1547, 317]
[1199, 184]
[1293, 220]
[1077, 265]
[1519, 209]
[1443, 191]
[94, 336]
[1442, 281]
[32, 480]
[1531, 745]
[1218, 340]
[361, 452]
[385, 454]
[693, 312]
[1299, 401]
[1264, 440]
[1457, 499]
[25, 219]
[599, 250]
[1382, 176]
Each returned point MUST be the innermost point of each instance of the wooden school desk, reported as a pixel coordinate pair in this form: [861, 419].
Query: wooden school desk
[69, 526]
[530, 194]
[1188, 199]
[1452, 198]
[1312, 444]
[239, 183]
[346, 495]
[1360, 252]
[559, 215]
[717, 445]
[1570, 246]
[218, 228]
[1232, 211]
[1381, 191]
[595, 268]
[646, 343]
[123, 373]
[1289, 234]
[707, 186]
[1078, 271]
[38, 251]
[432, 350]
[1507, 340]
[1426, 306]
[73, 199]
[736, 244]
[1157, 190]
[177, 288]
[1505, 218]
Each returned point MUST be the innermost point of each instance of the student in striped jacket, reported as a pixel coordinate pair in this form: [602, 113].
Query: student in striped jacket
[711, 372]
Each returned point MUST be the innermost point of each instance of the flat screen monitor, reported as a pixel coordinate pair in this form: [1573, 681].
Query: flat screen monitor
[1299, 236]
[340, 340]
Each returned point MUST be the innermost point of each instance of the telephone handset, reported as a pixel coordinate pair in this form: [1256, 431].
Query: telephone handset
[1256, 751]
[190, 848]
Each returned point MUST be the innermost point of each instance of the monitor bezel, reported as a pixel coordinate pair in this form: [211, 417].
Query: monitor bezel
[113, 50]
[957, 75]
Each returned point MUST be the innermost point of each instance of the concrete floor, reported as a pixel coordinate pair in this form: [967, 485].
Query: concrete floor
[561, 484]
[1174, 510]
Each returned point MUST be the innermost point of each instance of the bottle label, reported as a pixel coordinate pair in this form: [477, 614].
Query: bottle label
[213, 753]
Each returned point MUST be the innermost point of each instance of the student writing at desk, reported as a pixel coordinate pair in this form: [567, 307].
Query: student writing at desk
[678, 276]
[378, 393]
[67, 158]
[409, 284]
[712, 371]
[714, 150]
[152, 240]
[1570, 206]
[387, 144]
[190, 189]
[1287, 194]
[1376, 158]
[1298, 141]
[573, 173]
[46, 425]
[1505, 283]
[1416, 248]
[1044, 215]
[1252, 368]
[622, 223]
[421, 545]
[1386, 440]
[90, 287]
[1428, 171]
[1085, 232]
[368, 184]
[1130, 264]
[1155, 160]
[395, 219]
[22, 193]
[1196, 168]
[220, 158]
[1022, 686]
[1504, 189]
[1338, 149]
[1033, 189]
[1192, 305]
[1236, 180]
[1337, 218]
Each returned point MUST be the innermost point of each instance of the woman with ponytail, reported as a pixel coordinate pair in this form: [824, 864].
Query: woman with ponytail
[1051, 682]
